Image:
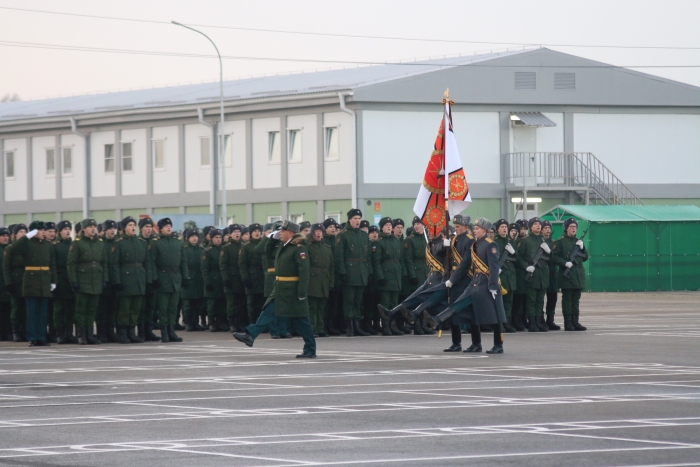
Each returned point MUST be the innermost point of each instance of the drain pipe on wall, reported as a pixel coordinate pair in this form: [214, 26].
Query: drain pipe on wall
[212, 192]
[86, 163]
[353, 171]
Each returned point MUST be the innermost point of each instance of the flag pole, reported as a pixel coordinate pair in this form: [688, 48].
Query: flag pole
[448, 255]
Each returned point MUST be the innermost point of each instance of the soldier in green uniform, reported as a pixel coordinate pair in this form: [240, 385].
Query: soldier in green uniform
[129, 272]
[370, 296]
[107, 309]
[538, 271]
[50, 236]
[334, 304]
[572, 285]
[252, 273]
[5, 321]
[236, 308]
[147, 316]
[168, 274]
[553, 288]
[278, 327]
[13, 272]
[88, 271]
[289, 298]
[39, 280]
[353, 258]
[63, 296]
[213, 282]
[506, 261]
[321, 277]
[518, 310]
[192, 293]
[388, 265]
[305, 229]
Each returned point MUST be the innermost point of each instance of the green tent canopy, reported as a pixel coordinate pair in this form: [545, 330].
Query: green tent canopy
[636, 248]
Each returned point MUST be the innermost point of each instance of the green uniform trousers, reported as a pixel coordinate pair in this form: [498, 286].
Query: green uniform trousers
[255, 303]
[64, 313]
[18, 311]
[300, 325]
[192, 308]
[317, 308]
[147, 313]
[534, 301]
[129, 309]
[370, 300]
[508, 305]
[352, 301]
[570, 299]
[86, 308]
[216, 309]
[107, 310]
[166, 305]
[389, 299]
[237, 308]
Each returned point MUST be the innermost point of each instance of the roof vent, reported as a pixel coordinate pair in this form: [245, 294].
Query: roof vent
[565, 81]
[525, 80]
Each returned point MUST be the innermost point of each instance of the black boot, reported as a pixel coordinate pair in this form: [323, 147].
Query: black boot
[507, 327]
[148, 334]
[540, 324]
[474, 348]
[172, 336]
[244, 337]
[223, 326]
[426, 329]
[386, 330]
[349, 331]
[551, 324]
[454, 348]
[190, 325]
[495, 350]
[70, 338]
[367, 326]
[178, 327]
[417, 328]
[164, 334]
[533, 326]
[213, 324]
[385, 313]
[401, 324]
[568, 325]
[91, 339]
[123, 336]
[102, 333]
[111, 336]
[518, 323]
[61, 336]
[408, 315]
[51, 335]
[395, 329]
[133, 338]
[358, 329]
[82, 335]
[577, 325]
[433, 321]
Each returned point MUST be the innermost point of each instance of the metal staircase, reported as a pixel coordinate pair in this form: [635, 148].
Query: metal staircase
[579, 172]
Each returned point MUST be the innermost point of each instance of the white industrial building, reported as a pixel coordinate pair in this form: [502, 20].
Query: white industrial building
[535, 124]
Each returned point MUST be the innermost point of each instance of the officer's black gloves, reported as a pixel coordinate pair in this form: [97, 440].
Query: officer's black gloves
[75, 287]
[228, 284]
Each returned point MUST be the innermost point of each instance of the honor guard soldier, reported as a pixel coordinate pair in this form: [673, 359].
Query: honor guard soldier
[192, 293]
[130, 273]
[39, 280]
[5, 322]
[289, 299]
[63, 296]
[214, 283]
[553, 288]
[353, 265]
[147, 315]
[506, 262]
[570, 254]
[13, 271]
[169, 273]
[416, 265]
[321, 277]
[533, 257]
[88, 271]
[107, 310]
[388, 266]
[252, 273]
[236, 307]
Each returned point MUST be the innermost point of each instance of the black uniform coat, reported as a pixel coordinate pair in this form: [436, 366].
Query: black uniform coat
[508, 279]
[438, 251]
[461, 263]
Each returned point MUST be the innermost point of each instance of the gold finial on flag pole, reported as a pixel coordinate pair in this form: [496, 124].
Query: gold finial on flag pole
[446, 96]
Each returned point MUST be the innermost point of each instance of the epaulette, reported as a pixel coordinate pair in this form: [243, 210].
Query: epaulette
[119, 239]
[144, 241]
[56, 242]
[325, 244]
[489, 240]
[471, 237]
[77, 239]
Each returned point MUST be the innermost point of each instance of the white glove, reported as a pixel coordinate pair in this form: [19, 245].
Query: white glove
[510, 249]
[530, 269]
[545, 247]
[276, 234]
[53, 287]
[569, 264]
[493, 294]
[32, 233]
[448, 284]
[446, 242]
[579, 243]
[300, 299]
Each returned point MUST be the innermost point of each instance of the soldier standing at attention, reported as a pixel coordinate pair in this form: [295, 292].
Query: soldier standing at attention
[88, 272]
[130, 272]
[13, 271]
[169, 273]
[213, 283]
[107, 309]
[388, 265]
[252, 274]
[334, 302]
[507, 264]
[572, 285]
[553, 288]
[236, 308]
[193, 291]
[353, 258]
[304, 228]
[63, 296]
[538, 282]
[39, 280]
[147, 315]
[321, 277]
[5, 322]
[50, 236]
[370, 297]
[289, 299]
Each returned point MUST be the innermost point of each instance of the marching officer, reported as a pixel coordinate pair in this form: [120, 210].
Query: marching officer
[252, 273]
[553, 288]
[506, 262]
[236, 308]
[536, 273]
[5, 308]
[192, 293]
[388, 266]
[63, 296]
[129, 272]
[278, 327]
[107, 310]
[13, 271]
[169, 273]
[88, 271]
[572, 285]
[214, 283]
[321, 277]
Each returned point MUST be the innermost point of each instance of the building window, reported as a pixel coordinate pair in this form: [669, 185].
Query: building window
[296, 218]
[9, 165]
[109, 158]
[67, 156]
[127, 158]
[50, 162]
[273, 219]
[159, 154]
[228, 150]
[333, 215]
[204, 151]
[274, 154]
[294, 146]
[331, 147]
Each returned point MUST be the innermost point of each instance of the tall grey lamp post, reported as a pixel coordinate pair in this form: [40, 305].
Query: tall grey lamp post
[220, 155]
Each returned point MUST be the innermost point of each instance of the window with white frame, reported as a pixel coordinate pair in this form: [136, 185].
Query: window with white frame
[67, 161]
[294, 146]
[296, 218]
[159, 154]
[331, 152]
[274, 151]
[333, 215]
[109, 158]
[127, 157]
[10, 164]
[228, 150]
[205, 151]
[51, 162]
[273, 219]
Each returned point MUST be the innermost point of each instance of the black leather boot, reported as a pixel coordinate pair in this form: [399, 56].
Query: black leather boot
[386, 331]
[111, 336]
[568, 325]
[385, 313]
[70, 338]
[123, 336]
[133, 338]
[358, 329]
[518, 323]
[149, 336]
[172, 336]
[551, 324]
[82, 335]
[61, 336]
[51, 335]
[417, 328]
[17, 333]
[533, 326]
[367, 326]
[577, 325]
[540, 324]
[507, 327]
[91, 339]
[213, 324]
[164, 334]
[426, 329]
[102, 333]
[349, 331]
[395, 329]
[454, 348]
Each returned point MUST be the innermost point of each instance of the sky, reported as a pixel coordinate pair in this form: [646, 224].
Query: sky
[34, 73]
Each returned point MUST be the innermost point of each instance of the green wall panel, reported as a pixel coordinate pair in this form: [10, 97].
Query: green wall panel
[489, 208]
[44, 216]
[101, 216]
[135, 213]
[75, 216]
[15, 219]
[262, 211]
[197, 210]
[306, 208]
[341, 206]
[235, 213]
[166, 211]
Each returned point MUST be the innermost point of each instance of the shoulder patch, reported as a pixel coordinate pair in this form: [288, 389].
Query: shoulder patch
[302, 254]
[71, 248]
[374, 248]
[494, 250]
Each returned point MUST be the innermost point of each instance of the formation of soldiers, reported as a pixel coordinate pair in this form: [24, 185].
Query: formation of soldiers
[125, 280]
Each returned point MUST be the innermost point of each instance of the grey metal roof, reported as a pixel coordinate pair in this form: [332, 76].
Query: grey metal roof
[250, 88]
[534, 119]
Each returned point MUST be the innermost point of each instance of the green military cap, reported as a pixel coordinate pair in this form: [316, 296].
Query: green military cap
[87, 223]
